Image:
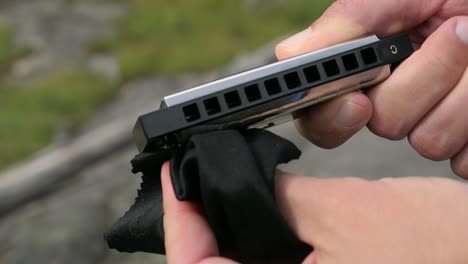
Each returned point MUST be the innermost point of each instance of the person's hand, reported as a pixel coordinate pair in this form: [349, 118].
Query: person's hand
[407, 220]
[425, 98]
[187, 236]
[410, 220]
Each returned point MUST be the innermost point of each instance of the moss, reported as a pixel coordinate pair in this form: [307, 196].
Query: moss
[31, 113]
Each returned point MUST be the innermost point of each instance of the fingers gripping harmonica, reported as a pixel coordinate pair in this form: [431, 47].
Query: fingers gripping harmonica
[272, 94]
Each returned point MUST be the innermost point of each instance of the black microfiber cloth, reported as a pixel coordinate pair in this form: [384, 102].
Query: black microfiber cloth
[231, 174]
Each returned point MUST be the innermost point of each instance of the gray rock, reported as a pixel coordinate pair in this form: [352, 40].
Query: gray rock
[58, 30]
[68, 226]
[106, 66]
[365, 155]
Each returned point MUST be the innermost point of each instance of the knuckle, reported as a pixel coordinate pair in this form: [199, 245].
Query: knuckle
[441, 63]
[433, 145]
[340, 6]
[448, 62]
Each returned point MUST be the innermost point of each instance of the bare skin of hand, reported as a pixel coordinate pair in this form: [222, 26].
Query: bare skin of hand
[410, 220]
[425, 98]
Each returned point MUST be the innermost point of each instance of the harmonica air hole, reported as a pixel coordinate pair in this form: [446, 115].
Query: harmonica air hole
[273, 86]
[212, 106]
[369, 56]
[191, 112]
[350, 62]
[331, 68]
[232, 99]
[292, 80]
[252, 92]
[312, 74]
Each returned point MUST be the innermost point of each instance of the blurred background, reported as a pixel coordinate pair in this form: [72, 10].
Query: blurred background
[75, 75]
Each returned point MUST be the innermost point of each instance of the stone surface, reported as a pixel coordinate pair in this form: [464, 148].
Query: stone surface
[365, 155]
[105, 65]
[58, 32]
[68, 227]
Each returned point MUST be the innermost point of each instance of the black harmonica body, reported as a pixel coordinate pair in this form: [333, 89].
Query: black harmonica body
[272, 94]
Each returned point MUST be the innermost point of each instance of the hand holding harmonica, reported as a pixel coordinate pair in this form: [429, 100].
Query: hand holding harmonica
[424, 99]
[412, 220]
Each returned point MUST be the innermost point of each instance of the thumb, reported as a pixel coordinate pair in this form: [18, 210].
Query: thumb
[346, 20]
[331, 124]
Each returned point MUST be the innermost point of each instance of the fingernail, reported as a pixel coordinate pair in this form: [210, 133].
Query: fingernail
[296, 42]
[462, 29]
[349, 115]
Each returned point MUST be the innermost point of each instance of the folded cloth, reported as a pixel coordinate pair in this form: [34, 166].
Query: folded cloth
[231, 174]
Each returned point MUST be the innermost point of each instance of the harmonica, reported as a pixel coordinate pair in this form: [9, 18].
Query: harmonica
[273, 94]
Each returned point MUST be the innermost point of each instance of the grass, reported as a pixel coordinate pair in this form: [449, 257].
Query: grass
[168, 37]
[31, 113]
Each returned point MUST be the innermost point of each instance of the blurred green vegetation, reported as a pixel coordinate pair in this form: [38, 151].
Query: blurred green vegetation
[31, 113]
[169, 37]
[8, 53]
[158, 37]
